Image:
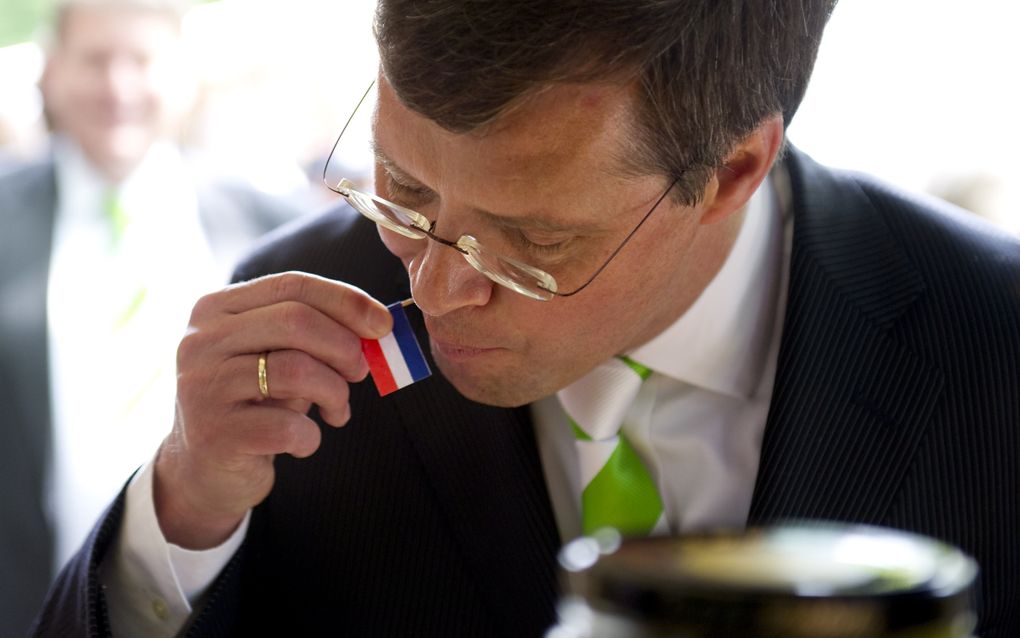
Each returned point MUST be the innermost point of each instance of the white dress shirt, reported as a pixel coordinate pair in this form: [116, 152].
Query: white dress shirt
[698, 423]
[111, 349]
[698, 420]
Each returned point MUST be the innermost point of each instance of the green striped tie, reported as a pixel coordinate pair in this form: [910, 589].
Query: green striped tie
[116, 216]
[118, 220]
[617, 489]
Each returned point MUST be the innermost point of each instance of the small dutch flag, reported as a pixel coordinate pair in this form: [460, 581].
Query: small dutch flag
[396, 360]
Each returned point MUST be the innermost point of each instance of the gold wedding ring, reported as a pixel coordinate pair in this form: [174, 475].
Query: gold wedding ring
[263, 380]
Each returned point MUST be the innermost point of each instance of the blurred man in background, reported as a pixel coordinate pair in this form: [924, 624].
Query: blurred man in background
[106, 243]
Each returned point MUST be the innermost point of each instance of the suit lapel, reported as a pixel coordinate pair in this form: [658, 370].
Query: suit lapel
[851, 403]
[484, 466]
[23, 285]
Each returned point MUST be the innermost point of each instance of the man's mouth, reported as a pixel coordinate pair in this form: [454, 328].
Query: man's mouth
[456, 350]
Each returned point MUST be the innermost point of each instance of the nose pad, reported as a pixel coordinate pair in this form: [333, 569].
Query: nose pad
[443, 281]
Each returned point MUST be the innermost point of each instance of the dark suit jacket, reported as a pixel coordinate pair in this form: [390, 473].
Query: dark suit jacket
[233, 217]
[897, 403]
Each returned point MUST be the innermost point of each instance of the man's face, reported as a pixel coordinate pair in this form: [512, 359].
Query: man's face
[115, 83]
[543, 185]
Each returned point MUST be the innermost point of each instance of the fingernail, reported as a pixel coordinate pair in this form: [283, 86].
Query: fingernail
[381, 322]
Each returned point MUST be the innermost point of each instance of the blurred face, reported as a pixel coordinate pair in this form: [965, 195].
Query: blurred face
[115, 83]
[543, 186]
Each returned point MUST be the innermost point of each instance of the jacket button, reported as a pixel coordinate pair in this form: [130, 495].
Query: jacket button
[160, 609]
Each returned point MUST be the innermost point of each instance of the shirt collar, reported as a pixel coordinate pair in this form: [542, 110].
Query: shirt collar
[78, 182]
[162, 170]
[722, 341]
[160, 175]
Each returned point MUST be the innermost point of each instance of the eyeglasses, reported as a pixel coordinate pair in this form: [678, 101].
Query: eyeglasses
[508, 272]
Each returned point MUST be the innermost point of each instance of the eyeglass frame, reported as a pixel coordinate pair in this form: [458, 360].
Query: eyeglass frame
[344, 190]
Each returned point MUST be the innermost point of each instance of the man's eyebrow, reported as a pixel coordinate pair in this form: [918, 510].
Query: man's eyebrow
[392, 167]
[532, 220]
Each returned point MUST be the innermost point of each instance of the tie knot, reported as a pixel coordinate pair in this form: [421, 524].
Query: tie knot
[598, 402]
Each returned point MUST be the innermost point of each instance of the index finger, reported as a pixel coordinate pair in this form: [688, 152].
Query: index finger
[348, 305]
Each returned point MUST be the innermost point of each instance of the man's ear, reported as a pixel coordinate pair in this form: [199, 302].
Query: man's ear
[743, 171]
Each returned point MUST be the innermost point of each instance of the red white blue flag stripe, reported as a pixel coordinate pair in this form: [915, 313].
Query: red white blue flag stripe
[396, 360]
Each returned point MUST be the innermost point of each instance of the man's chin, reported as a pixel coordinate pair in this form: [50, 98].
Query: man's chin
[118, 158]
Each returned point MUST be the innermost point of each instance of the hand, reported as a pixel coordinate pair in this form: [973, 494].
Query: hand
[217, 462]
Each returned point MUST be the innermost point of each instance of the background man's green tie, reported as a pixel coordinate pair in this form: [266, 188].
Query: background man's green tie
[617, 489]
[128, 282]
[118, 220]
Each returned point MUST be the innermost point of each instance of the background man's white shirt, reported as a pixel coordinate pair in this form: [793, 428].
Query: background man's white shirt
[112, 347]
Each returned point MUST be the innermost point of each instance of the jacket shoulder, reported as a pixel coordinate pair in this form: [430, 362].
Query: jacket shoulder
[947, 247]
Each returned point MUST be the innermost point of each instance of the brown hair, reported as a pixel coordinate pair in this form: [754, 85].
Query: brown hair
[173, 10]
[709, 71]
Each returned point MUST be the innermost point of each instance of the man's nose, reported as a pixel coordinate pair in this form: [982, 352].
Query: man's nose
[443, 281]
[122, 76]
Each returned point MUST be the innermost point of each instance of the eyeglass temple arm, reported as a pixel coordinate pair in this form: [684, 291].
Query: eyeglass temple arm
[329, 157]
[622, 244]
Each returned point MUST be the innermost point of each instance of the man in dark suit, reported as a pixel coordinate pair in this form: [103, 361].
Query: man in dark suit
[562, 186]
[113, 91]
